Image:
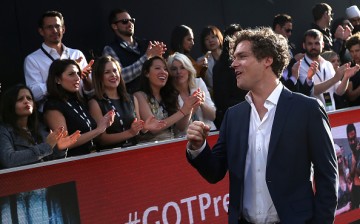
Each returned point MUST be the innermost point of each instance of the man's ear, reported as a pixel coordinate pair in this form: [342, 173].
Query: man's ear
[41, 31]
[268, 61]
[277, 28]
[63, 29]
[114, 26]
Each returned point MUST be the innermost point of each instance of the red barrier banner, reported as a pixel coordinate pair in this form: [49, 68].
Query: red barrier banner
[150, 183]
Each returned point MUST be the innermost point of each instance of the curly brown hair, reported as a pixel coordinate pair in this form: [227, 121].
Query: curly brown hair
[264, 43]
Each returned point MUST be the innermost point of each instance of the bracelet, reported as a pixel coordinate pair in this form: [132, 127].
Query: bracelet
[182, 112]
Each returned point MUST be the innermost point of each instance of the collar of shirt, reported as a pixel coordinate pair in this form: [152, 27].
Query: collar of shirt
[51, 50]
[125, 44]
[272, 98]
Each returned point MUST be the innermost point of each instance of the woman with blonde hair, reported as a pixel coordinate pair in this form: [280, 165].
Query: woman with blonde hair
[183, 74]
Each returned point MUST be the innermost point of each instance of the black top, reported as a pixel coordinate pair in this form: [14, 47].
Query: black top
[226, 92]
[124, 116]
[74, 121]
[356, 83]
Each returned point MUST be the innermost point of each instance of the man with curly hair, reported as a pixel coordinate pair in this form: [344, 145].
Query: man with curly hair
[268, 142]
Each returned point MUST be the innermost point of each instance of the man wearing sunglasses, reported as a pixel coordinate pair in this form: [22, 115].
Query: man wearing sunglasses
[131, 52]
[282, 24]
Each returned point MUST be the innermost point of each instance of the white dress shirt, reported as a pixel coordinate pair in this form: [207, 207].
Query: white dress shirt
[37, 64]
[325, 72]
[258, 206]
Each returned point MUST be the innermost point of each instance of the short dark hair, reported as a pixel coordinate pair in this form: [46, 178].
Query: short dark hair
[350, 127]
[265, 43]
[231, 29]
[319, 10]
[281, 20]
[50, 14]
[207, 31]
[353, 40]
[177, 37]
[314, 33]
[113, 13]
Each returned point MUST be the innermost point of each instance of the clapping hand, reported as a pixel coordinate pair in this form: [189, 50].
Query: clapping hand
[66, 141]
[152, 124]
[54, 136]
[295, 69]
[136, 126]
[106, 121]
[312, 69]
[155, 48]
[351, 71]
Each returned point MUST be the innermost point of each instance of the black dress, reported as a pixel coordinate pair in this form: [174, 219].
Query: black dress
[124, 116]
[77, 118]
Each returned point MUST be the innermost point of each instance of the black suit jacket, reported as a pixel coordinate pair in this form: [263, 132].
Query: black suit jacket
[300, 136]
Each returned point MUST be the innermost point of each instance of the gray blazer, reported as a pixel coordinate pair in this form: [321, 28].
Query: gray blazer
[17, 151]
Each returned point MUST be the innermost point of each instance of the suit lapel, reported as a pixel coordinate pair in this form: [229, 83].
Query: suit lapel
[282, 108]
[244, 137]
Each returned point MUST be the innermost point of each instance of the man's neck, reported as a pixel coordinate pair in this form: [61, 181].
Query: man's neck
[322, 24]
[261, 93]
[58, 47]
[128, 39]
[316, 58]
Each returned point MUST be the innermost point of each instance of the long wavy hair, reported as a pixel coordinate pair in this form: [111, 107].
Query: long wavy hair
[98, 70]
[9, 116]
[185, 61]
[168, 93]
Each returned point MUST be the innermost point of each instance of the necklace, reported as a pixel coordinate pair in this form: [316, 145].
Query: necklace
[85, 118]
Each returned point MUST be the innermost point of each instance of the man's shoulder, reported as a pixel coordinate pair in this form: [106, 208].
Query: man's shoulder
[304, 102]
[34, 54]
[242, 106]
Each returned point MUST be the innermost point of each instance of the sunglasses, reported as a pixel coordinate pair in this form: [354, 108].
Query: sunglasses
[288, 30]
[125, 21]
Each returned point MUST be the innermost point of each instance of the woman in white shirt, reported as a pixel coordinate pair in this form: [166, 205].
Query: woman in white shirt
[185, 82]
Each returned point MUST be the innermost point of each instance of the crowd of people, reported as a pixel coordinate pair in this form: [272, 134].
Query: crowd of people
[140, 91]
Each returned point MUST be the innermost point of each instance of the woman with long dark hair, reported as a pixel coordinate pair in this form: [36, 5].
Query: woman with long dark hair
[182, 41]
[158, 97]
[20, 138]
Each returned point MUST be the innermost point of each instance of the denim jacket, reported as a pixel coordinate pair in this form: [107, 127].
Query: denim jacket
[17, 151]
